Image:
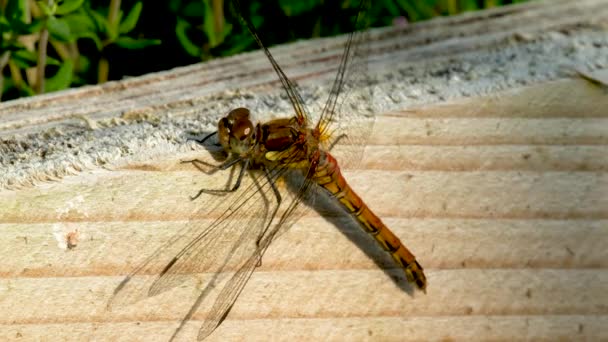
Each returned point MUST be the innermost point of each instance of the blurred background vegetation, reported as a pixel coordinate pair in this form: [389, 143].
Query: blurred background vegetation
[50, 45]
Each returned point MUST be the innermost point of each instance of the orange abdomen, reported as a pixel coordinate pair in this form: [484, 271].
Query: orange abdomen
[327, 174]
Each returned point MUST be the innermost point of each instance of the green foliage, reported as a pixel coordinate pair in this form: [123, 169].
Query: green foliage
[68, 6]
[16, 11]
[128, 24]
[82, 25]
[24, 58]
[62, 78]
[89, 41]
[132, 43]
[59, 29]
[60, 26]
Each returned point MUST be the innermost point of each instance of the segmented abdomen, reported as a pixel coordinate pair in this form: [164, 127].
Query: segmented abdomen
[327, 174]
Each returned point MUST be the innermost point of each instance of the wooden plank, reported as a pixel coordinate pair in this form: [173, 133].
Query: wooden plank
[490, 168]
[466, 328]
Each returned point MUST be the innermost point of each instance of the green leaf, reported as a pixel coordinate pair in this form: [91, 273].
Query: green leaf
[16, 11]
[68, 6]
[5, 26]
[215, 38]
[52, 61]
[27, 59]
[94, 37]
[61, 79]
[59, 29]
[13, 46]
[83, 63]
[418, 10]
[83, 26]
[102, 22]
[26, 90]
[7, 84]
[132, 43]
[227, 30]
[294, 8]
[46, 10]
[26, 28]
[112, 32]
[469, 6]
[103, 25]
[119, 17]
[194, 9]
[240, 46]
[131, 20]
[24, 58]
[80, 23]
[181, 31]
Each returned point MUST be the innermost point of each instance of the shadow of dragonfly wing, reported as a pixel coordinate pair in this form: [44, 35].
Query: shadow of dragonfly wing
[304, 191]
[223, 245]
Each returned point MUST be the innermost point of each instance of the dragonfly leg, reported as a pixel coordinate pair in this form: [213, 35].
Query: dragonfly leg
[225, 166]
[214, 168]
[277, 194]
[202, 141]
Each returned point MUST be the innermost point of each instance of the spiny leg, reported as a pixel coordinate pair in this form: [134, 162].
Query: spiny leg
[277, 194]
[202, 141]
[266, 204]
[225, 166]
[214, 168]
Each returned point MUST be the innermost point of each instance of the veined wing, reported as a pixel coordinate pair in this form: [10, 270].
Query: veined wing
[305, 191]
[348, 113]
[294, 96]
[234, 242]
[294, 210]
[204, 247]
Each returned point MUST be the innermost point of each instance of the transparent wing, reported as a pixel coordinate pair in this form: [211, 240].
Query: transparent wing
[348, 114]
[294, 210]
[214, 247]
[349, 110]
[237, 239]
[294, 96]
[234, 242]
[352, 62]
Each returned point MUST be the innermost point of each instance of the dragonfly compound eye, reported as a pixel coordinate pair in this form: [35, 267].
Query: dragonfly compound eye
[224, 128]
[238, 114]
[242, 129]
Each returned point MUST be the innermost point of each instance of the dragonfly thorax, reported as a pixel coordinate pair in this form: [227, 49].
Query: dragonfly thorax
[236, 133]
[280, 134]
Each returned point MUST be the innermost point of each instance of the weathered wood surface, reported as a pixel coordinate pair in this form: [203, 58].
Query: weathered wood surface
[488, 159]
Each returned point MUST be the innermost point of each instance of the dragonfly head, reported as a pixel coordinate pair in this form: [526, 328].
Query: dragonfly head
[236, 132]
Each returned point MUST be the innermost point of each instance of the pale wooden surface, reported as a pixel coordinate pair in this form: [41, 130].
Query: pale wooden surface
[503, 197]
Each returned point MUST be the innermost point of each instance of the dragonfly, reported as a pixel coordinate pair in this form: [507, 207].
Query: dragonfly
[268, 153]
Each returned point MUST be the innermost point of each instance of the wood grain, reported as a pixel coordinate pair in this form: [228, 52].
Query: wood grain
[499, 187]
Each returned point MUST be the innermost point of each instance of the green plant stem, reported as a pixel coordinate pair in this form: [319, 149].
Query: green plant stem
[218, 15]
[42, 44]
[113, 13]
[15, 74]
[103, 68]
[75, 55]
[3, 62]
[452, 6]
[62, 50]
